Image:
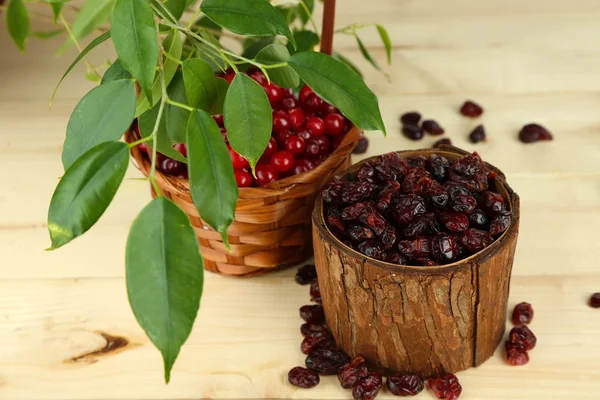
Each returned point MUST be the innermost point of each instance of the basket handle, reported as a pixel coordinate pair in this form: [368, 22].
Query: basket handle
[328, 27]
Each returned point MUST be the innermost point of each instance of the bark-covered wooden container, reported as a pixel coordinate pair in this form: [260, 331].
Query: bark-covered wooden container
[424, 320]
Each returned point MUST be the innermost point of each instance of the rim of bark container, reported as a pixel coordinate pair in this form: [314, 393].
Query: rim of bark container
[510, 198]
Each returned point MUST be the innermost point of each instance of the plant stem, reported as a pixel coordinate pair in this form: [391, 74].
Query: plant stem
[142, 140]
[90, 67]
[172, 58]
[177, 104]
[193, 19]
[310, 17]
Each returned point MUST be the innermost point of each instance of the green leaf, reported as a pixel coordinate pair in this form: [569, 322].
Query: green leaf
[310, 4]
[115, 72]
[366, 53]
[165, 276]
[172, 45]
[347, 61]
[205, 22]
[248, 17]
[48, 35]
[92, 77]
[17, 20]
[56, 9]
[92, 15]
[306, 41]
[212, 183]
[385, 38]
[200, 83]
[93, 44]
[103, 115]
[85, 191]
[248, 118]
[222, 87]
[176, 118]
[252, 46]
[339, 85]
[164, 145]
[177, 7]
[285, 76]
[134, 36]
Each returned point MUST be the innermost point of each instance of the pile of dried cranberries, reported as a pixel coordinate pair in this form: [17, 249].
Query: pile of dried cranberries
[306, 130]
[520, 339]
[417, 210]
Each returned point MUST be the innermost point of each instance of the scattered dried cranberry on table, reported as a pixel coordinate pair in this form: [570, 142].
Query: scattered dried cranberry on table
[303, 377]
[522, 314]
[595, 300]
[442, 142]
[533, 133]
[471, 109]
[520, 339]
[477, 135]
[445, 387]
[405, 384]
[361, 146]
[416, 210]
[432, 127]
[410, 118]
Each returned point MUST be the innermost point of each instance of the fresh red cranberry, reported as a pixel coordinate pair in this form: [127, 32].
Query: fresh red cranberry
[274, 93]
[143, 147]
[595, 300]
[271, 149]
[318, 146]
[219, 120]
[353, 372]
[229, 76]
[224, 135]
[368, 387]
[282, 137]
[524, 336]
[432, 127]
[282, 161]
[297, 118]
[442, 142]
[330, 109]
[362, 146]
[289, 102]
[410, 118]
[413, 132]
[533, 133]
[170, 166]
[303, 165]
[405, 384]
[181, 147]
[471, 109]
[304, 134]
[515, 353]
[314, 103]
[306, 274]
[259, 77]
[305, 92]
[446, 387]
[303, 377]
[477, 135]
[287, 93]
[316, 126]
[295, 145]
[281, 121]
[243, 178]
[334, 124]
[237, 159]
[265, 174]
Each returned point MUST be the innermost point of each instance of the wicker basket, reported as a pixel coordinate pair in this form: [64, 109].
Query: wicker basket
[272, 227]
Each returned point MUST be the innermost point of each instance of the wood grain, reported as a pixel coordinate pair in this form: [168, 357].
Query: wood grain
[536, 60]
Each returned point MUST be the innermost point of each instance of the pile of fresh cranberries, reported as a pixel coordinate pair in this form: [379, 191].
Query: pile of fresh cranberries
[306, 130]
[418, 210]
[325, 358]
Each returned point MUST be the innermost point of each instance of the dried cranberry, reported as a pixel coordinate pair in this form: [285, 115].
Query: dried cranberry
[306, 328]
[391, 167]
[373, 249]
[352, 372]
[471, 109]
[454, 221]
[303, 378]
[424, 261]
[373, 220]
[438, 166]
[478, 219]
[468, 165]
[500, 223]
[421, 248]
[366, 173]
[336, 224]
[492, 203]
[362, 146]
[417, 161]
[313, 314]
[410, 118]
[475, 240]
[477, 135]
[442, 142]
[413, 132]
[405, 247]
[595, 300]
[315, 291]
[360, 233]
[413, 175]
[433, 190]
[461, 199]
[306, 274]
[445, 387]
[368, 387]
[395, 257]
[354, 192]
[432, 127]
[515, 353]
[316, 339]
[326, 361]
[389, 237]
[533, 133]
[353, 211]
[422, 226]
[405, 384]
[332, 192]
[387, 195]
[408, 207]
[445, 248]
[524, 336]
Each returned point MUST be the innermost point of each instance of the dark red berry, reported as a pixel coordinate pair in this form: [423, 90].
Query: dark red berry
[366, 173]
[326, 361]
[454, 221]
[408, 207]
[595, 300]
[274, 93]
[438, 167]
[334, 124]
[316, 339]
[461, 199]
[361, 146]
[288, 93]
[237, 159]
[524, 336]
[360, 233]
[289, 103]
[445, 248]
[515, 353]
[442, 142]
[303, 165]
[282, 137]
[243, 178]
[337, 140]
[306, 328]
[368, 387]
[303, 377]
[295, 145]
[478, 219]
[477, 135]
[417, 161]
[271, 148]
[522, 314]
[405, 384]
[500, 223]
[432, 127]
[352, 372]
[373, 249]
[281, 121]
[316, 126]
[533, 133]
[313, 314]
[492, 203]
[305, 92]
[410, 118]
[181, 148]
[314, 103]
[282, 161]
[470, 109]
[445, 387]
[413, 132]
[259, 77]
[315, 292]
[395, 257]
[219, 120]
[297, 118]
[475, 240]
[306, 274]
[355, 192]
[422, 226]
[265, 174]
[170, 166]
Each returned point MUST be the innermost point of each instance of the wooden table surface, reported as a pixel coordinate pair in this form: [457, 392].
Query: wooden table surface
[524, 61]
